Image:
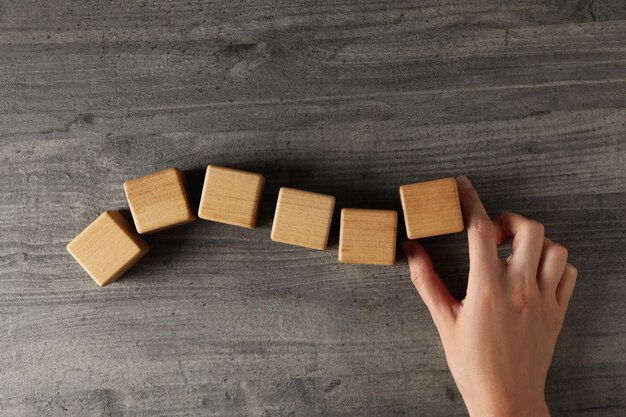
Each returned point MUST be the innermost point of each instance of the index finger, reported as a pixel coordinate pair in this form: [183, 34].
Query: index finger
[481, 236]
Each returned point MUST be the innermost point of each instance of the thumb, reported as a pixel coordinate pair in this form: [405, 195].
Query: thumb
[434, 294]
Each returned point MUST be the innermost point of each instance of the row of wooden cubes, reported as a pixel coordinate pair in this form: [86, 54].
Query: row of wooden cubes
[158, 201]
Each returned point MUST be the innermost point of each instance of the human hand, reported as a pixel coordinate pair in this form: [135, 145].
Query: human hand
[500, 339]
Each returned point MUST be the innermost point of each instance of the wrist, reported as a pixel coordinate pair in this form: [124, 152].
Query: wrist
[538, 410]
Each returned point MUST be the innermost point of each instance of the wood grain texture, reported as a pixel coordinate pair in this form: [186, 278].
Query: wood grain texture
[351, 99]
[107, 248]
[431, 208]
[303, 218]
[368, 236]
[158, 201]
[231, 196]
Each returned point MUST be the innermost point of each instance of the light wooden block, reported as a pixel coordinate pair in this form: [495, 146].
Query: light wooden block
[368, 236]
[107, 247]
[231, 196]
[303, 218]
[159, 200]
[431, 208]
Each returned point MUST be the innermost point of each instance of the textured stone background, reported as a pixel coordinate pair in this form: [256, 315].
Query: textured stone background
[349, 98]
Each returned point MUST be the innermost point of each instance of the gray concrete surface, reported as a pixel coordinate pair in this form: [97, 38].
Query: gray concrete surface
[348, 98]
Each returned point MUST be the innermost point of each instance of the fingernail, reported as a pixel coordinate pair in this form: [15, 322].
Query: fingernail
[464, 182]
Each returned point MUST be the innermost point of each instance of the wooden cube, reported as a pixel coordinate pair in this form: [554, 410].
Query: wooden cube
[159, 200]
[303, 218]
[368, 236]
[107, 247]
[231, 196]
[431, 208]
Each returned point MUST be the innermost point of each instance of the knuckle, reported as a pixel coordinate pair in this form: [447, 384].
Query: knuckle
[491, 296]
[482, 226]
[572, 272]
[418, 279]
[522, 299]
[535, 228]
[561, 251]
